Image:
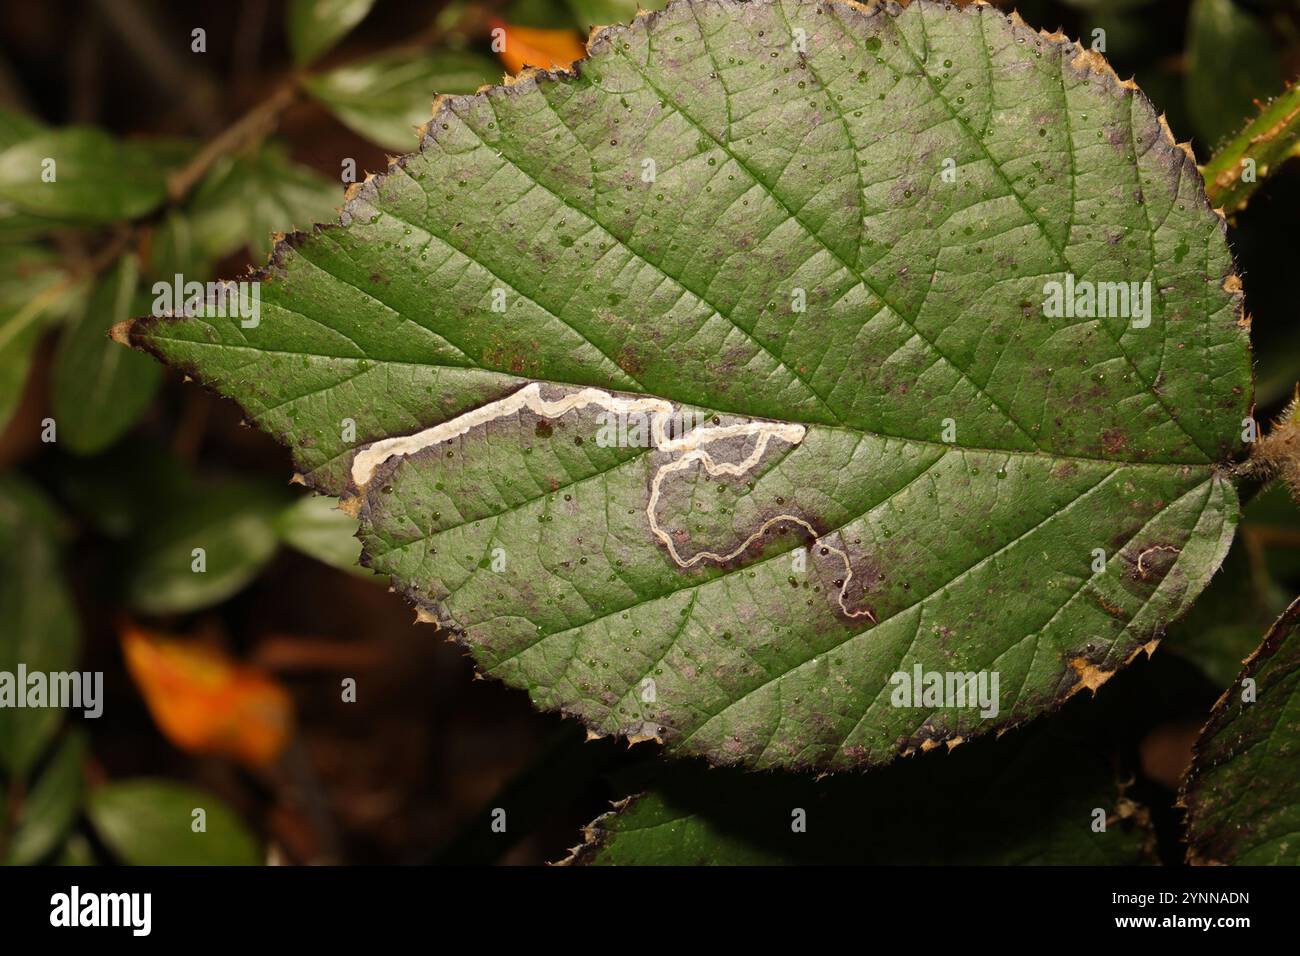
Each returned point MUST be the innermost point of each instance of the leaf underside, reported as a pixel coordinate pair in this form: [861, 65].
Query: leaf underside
[1250, 741]
[583, 571]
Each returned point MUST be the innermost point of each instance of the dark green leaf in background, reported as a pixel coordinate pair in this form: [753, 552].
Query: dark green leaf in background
[387, 98]
[149, 822]
[40, 628]
[245, 199]
[124, 490]
[232, 521]
[1242, 793]
[34, 290]
[1231, 62]
[51, 803]
[15, 224]
[99, 391]
[315, 526]
[316, 25]
[97, 179]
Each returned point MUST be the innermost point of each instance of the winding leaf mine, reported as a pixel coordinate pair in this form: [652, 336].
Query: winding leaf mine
[707, 389]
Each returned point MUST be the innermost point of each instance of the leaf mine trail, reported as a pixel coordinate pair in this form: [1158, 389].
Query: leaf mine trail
[689, 448]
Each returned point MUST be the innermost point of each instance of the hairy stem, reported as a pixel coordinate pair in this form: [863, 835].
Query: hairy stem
[1272, 137]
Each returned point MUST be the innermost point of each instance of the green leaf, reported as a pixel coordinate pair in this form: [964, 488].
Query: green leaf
[96, 179]
[1242, 792]
[40, 628]
[315, 526]
[33, 290]
[316, 25]
[1031, 798]
[149, 822]
[51, 805]
[123, 490]
[865, 344]
[387, 98]
[245, 199]
[1231, 63]
[232, 523]
[100, 390]
[16, 127]
[175, 250]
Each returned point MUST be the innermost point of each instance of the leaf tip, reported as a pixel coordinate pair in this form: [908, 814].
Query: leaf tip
[120, 332]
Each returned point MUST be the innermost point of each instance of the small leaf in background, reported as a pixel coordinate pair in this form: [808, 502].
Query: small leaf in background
[227, 528]
[387, 98]
[14, 224]
[315, 526]
[316, 25]
[244, 200]
[95, 178]
[1231, 62]
[51, 803]
[97, 394]
[38, 623]
[206, 703]
[1242, 792]
[148, 822]
[548, 49]
[34, 289]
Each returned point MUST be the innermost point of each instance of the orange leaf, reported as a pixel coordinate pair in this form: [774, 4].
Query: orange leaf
[548, 49]
[206, 703]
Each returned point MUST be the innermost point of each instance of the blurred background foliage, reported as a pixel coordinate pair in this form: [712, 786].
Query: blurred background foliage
[186, 152]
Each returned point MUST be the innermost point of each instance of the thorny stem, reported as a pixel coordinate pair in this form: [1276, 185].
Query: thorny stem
[1272, 456]
[1266, 141]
